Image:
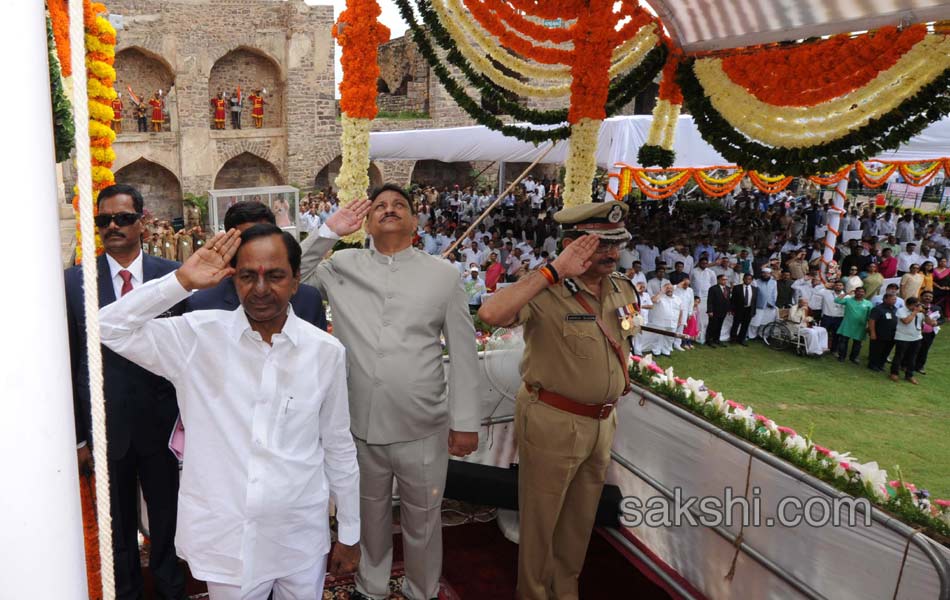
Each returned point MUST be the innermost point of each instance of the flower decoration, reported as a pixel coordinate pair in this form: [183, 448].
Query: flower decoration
[815, 106]
[847, 473]
[100, 57]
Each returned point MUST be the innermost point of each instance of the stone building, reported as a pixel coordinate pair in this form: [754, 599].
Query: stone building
[194, 49]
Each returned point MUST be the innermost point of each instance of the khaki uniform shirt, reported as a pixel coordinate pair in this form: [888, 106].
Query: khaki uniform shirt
[565, 351]
[389, 312]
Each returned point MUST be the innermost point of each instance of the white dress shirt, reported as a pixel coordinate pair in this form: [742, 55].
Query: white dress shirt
[904, 261]
[268, 433]
[138, 278]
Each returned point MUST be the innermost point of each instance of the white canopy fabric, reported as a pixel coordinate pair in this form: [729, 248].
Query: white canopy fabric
[620, 139]
[717, 24]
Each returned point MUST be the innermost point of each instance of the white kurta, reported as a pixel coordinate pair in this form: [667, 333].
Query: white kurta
[665, 314]
[268, 433]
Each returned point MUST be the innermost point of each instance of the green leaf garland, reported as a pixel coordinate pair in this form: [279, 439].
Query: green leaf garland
[64, 131]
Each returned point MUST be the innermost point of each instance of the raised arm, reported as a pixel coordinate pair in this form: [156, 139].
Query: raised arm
[503, 307]
[346, 220]
[129, 327]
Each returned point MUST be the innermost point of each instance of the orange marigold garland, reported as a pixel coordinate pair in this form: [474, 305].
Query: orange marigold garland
[359, 33]
[100, 57]
[59, 16]
[809, 74]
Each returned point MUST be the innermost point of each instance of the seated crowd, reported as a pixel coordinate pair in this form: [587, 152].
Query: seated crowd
[721, 271]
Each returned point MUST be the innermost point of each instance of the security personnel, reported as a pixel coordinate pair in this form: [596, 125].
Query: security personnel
[578, 316]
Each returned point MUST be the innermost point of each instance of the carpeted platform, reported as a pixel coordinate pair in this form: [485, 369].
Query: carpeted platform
[480, 564]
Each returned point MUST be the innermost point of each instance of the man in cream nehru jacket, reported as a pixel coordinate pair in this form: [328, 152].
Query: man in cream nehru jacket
[391, 304]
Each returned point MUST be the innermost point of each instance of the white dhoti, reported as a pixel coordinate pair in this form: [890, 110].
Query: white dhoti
[304, 584]
[702, 320]
[724, 334]
[677, 342]
[762, 317]
[660, 345]
[816, 339]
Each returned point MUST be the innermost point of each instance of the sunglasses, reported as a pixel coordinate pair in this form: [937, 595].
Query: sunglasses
[121, 219]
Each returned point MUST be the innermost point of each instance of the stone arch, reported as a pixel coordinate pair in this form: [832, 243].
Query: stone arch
[251, 69]
[247, 170]
[158, 185]
[145, 72]
[326, 177]
[375, 176]
[441, 174]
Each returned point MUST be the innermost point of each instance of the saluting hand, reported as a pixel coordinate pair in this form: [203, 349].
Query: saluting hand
[575, 259]
[212, 263]
[348, 219]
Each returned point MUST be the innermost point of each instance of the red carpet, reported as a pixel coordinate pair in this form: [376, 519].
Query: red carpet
[480, 564]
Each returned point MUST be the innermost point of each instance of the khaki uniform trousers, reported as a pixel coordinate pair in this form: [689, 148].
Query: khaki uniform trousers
[420, 468]
[563, 460]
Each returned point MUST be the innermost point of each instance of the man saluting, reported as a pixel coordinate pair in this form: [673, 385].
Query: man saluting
[391, 304]
[262, 394]
[578, 314]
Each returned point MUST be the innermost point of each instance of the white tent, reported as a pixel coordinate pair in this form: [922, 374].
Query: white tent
[620, 139]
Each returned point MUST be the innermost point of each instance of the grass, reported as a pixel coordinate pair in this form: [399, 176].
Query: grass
[846, 407]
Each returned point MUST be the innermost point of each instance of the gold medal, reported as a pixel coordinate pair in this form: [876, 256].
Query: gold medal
[625, 323]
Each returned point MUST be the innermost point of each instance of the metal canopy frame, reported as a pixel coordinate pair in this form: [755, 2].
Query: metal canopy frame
[711, 25]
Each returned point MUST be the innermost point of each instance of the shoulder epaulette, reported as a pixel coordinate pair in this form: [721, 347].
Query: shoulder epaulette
[572, 286]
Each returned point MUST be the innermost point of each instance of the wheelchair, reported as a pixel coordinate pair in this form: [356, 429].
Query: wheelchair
[779, 336]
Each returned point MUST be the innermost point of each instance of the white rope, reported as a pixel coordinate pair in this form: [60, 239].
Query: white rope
[77, 42]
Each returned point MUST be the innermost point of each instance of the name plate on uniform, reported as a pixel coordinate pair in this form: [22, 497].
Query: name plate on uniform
[581, 318]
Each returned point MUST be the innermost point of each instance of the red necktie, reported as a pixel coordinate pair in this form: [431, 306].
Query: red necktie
[126, 281]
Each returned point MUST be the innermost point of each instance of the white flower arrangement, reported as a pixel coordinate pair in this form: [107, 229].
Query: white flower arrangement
[353, 179]
[581, 163]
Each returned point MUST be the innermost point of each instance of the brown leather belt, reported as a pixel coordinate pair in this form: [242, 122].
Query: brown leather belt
[594, 411]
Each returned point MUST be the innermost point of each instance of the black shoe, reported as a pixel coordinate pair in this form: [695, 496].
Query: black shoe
[856, 361]
[840, 359]
[920, 372]
[743, 343]
[354, 595]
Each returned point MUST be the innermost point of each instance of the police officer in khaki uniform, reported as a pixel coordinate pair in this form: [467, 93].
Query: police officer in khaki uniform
[578, 316]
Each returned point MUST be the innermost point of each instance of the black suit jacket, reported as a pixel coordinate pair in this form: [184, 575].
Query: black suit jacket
[717, 302]
[307, 302]
[737, 298]
[141, 407]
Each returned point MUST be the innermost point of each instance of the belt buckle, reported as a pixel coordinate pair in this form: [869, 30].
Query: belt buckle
[606, 409]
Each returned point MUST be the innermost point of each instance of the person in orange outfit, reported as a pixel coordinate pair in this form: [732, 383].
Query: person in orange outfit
[257, 102]
[220, 110]
[117, 114]
[158, 111]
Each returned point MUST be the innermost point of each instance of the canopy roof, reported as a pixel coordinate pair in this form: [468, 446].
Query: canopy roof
[717, 24]
[620, 139]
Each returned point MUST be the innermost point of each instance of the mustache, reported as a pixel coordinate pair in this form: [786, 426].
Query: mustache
[606, 261]
[115, 234]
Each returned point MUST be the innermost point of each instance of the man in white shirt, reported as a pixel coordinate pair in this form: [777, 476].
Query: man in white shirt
[648, 255]
[628, 254]
[907, 258]
[636, 276]
[666, 314]
[702, 279]
[905, 229]
[684, 293]
[269, 440]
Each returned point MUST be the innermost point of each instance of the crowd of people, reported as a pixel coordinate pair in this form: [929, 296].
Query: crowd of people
[722, 272]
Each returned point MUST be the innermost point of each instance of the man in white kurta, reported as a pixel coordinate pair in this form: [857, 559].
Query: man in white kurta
[684, 293]
[267, 420]
[765, 311]
[665, 314]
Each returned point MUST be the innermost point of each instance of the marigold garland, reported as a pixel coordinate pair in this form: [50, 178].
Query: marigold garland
[359, 33]
[100, 56]
[657, 187]
[808, 74]
[581, 163]
[59, 15]
[505, 13]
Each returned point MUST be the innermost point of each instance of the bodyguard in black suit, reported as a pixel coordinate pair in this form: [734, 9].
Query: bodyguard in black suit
[717, 307]
[307, 302]
[743, 308]
[140, 407]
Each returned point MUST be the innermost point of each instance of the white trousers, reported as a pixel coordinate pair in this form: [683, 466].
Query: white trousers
[702, 320]
[303, 585]
[816, 339]
[420, 469]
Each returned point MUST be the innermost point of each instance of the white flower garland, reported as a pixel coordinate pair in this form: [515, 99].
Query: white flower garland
[635, 49]
[353, 179]
[797, 127]
[485, 66]
[581, 163]
[494, 49]
[663, 129]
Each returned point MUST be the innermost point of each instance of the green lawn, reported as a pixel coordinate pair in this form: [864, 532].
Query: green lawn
[846, 407]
